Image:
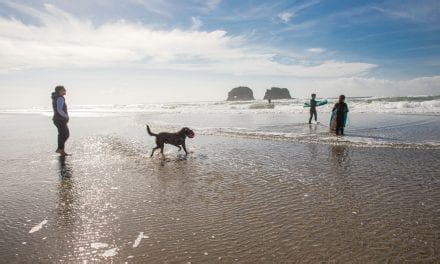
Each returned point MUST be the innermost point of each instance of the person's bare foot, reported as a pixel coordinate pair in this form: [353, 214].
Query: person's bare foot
[62, 152]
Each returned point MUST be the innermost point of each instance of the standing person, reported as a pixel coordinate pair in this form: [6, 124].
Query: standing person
[341, 109]
[313, 109]
[60, 117]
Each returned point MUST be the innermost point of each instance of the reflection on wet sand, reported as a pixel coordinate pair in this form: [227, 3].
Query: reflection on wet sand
[340, 155]
[66, 213]
[64, 168]
[66, 194]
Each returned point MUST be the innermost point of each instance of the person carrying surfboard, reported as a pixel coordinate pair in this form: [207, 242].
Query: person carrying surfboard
[339, 116]
[313, 112]
[313, 103]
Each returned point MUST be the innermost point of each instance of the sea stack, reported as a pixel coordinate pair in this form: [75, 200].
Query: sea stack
[241, 93]
[277, 93]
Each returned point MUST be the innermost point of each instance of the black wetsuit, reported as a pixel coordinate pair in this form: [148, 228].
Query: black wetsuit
[313, 110]
[341, 115]
[60, 119]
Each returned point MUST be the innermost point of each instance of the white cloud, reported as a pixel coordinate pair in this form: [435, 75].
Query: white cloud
[423, 11]
[196, 23]
[316, 50]
[64, 41]
[369, 86]
[212, 4]
[285, 16]
[160, 7]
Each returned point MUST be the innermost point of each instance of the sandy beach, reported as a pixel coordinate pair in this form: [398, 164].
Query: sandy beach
[312, 129]
[256, 187]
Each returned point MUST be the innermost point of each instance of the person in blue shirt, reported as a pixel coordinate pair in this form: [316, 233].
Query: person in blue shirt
[60, 118]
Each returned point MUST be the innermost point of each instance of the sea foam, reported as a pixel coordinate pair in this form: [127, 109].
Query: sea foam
[416, 104]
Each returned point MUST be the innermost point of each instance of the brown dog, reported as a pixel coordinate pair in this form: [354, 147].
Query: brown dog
[177, 139]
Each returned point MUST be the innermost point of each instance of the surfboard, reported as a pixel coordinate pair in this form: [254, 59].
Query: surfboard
[333, 120]
[318, 103]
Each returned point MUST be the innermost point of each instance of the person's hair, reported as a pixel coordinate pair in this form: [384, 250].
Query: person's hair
[342, 97]
[313, 94]
[59, 88]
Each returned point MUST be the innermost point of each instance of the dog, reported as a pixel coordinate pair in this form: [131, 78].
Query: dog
[177, 139]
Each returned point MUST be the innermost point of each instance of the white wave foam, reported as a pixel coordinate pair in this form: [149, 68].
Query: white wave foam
[98, 245]
[319, 138]
[110, 252]
[38, 227]
[356, 105]
[139, 239]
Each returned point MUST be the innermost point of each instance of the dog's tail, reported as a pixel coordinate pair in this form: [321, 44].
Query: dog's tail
[149, 132]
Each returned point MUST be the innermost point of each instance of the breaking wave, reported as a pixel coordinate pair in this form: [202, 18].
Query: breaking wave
[403, 105]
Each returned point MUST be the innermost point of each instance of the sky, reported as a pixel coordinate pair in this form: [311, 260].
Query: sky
[142, 51]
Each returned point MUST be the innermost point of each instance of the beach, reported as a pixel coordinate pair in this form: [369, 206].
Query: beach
[259, 185]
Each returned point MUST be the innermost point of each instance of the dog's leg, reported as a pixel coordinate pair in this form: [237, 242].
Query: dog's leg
[178, 147]
[161, 149]
[152, 152]
[184, 148]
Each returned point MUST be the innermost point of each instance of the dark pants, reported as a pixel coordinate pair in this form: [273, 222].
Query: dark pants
[340, 131]
[63, 132]
[313, 113]
[339, 126]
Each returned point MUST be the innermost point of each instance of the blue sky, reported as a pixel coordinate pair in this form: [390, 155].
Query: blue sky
[146, 50]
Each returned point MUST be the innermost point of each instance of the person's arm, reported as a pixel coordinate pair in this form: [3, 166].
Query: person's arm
[334, 107]
[60, 106]
[346, 108]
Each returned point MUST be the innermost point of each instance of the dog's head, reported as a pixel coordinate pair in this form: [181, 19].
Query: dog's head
[187, 132]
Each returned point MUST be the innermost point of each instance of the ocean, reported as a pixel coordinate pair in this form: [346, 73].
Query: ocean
[260, 185]
[373, 122]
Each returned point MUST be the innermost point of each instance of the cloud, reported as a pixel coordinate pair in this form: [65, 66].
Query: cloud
[370, 86]
[63, 41]
[212, 4]
[423, 11]
[196, 23]
[160, 7]
[316, 50]
[285, 16]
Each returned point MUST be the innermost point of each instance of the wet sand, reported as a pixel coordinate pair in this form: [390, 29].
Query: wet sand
[233, 199]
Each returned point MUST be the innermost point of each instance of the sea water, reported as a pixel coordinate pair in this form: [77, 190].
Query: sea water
[259, 185]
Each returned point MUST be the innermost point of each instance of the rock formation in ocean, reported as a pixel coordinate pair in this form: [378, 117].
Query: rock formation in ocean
[277, 93]
[241, 94]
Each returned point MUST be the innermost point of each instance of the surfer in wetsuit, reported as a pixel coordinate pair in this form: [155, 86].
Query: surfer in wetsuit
[60, 117]
[341, 115]
[313, 103]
